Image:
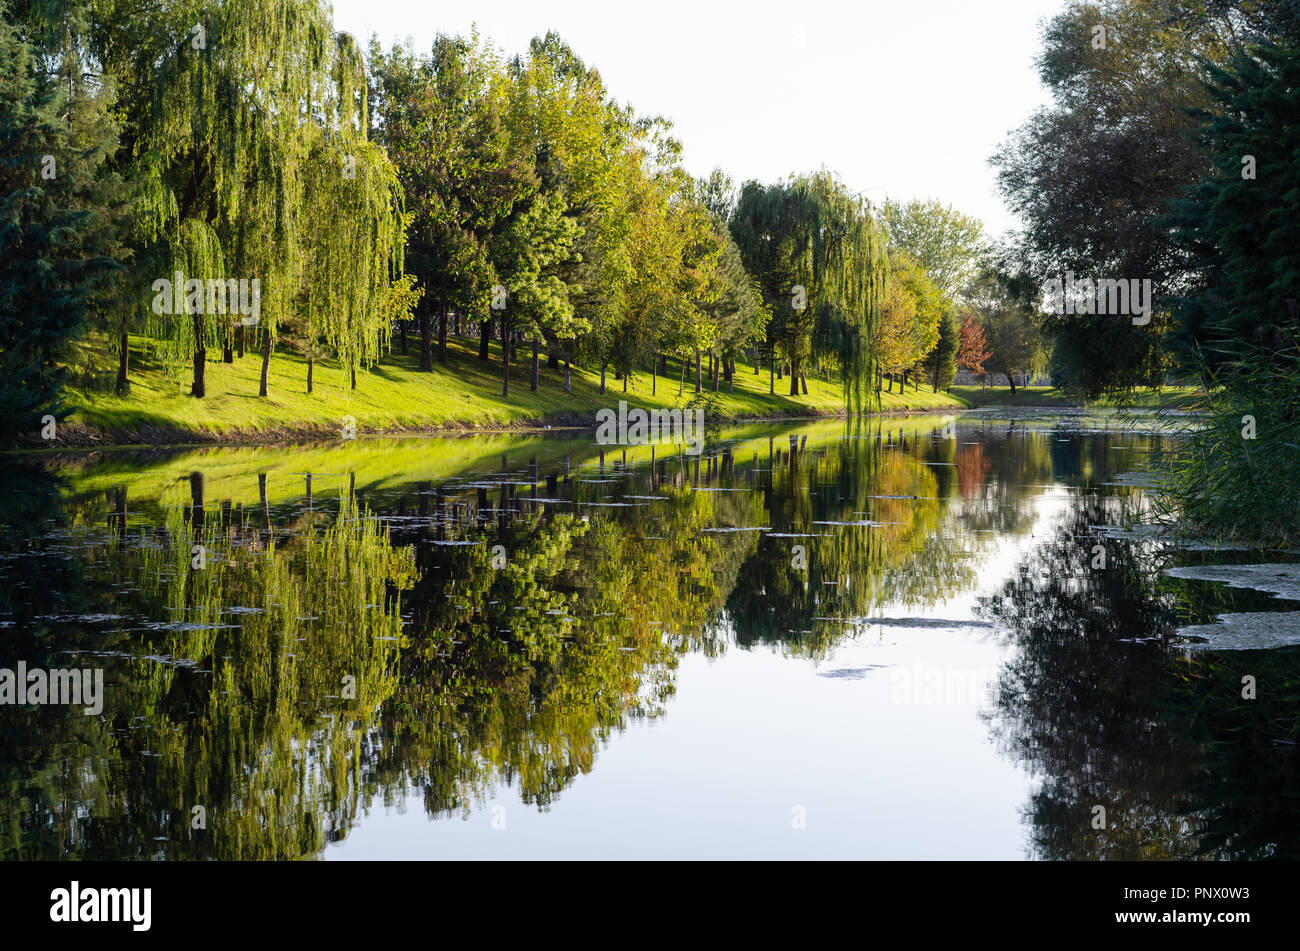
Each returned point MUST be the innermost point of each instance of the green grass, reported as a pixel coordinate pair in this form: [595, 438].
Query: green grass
[1172, 397]
[386, 462]
[394, 396]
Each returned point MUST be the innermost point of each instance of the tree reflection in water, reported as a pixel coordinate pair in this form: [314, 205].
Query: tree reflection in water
[349, 641]
[1105, 712]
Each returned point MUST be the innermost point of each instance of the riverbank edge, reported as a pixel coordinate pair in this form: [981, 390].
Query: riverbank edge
[87, 436]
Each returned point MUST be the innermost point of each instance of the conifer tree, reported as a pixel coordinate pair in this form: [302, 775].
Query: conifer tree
[59, 218]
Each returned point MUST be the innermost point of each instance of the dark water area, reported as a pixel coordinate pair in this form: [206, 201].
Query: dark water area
[919, 639]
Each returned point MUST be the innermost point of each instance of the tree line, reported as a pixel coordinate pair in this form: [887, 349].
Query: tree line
[162, 162]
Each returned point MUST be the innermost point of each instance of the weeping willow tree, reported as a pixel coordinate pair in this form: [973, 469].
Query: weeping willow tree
[254, 166]
[352, 286]
[819, 257]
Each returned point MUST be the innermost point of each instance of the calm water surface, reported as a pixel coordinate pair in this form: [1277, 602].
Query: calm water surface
[907, 641]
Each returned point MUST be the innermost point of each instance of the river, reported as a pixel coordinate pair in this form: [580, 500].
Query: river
[919, 638]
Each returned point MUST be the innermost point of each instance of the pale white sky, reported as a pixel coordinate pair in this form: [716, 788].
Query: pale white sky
[907, 99]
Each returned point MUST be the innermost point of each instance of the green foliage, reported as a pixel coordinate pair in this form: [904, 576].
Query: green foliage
[944, 242]
[941, 363]
[1241, 322]
[1241, 224]
[1093, 173]
[440, 120]
[1007, 305]
[252, 154]
[819, 257]
[60, 216]
[248, 125]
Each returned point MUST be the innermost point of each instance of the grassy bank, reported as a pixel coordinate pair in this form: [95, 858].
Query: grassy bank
[395, 397]
[1174, 397]
[236, 473]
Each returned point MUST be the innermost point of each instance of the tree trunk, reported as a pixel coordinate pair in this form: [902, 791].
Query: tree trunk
[262, 387]
[484, 338]
[681, 383]
[198, 387]
[311, 365]
[227, 352]
[654, 376]
[794, 378]
[603, 364]
[803, 381]
[771, 374]
[568, 378]
[505, 356]
[442, 334]
[196, 501]
[426, 340]
[354, 377]
[1011, 381]
[239, 340]
[537, 364]
[699, 378]
[123, 386]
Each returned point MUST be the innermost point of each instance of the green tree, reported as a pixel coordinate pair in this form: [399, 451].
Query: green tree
[948, 246]
[944, 242]
[941, 363]
[1093, 173]
[1240, 322]
[60, 213]
[526, 252]
[230, 111]
[440, 120]
[1007, 304]
[819, 257]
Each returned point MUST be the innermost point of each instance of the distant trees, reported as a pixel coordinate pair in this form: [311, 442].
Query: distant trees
[945, 243]
[911, 319]
[941, 364]
[1007, 304]
[947, 246]
[973, 347]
